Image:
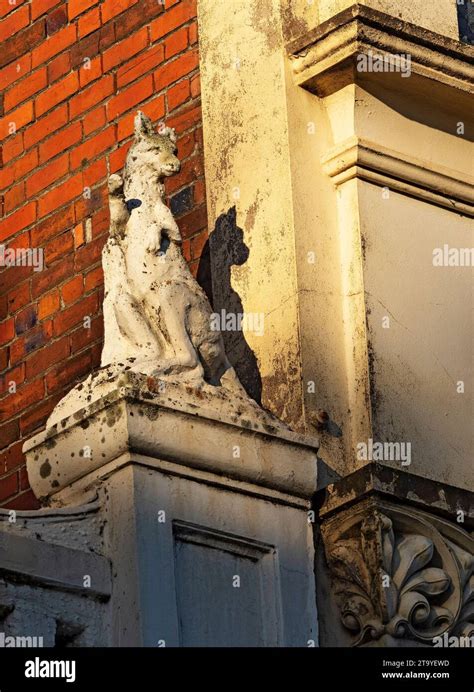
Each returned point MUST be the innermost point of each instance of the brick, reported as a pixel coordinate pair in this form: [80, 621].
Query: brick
[130, 97]
[14, 22]
[87, 151]
[16, 351]
[9, 279]
[100, 222]
[176, 69]
[25, 396]
[135, 17]
[15, 377]
[11, 458]
[182, 201]
[12, 148]
[193, 268]
[7, 331]
[195, 221]
[80, 338]
[56, 20]
[186, 119]
[117, 157]
[40, 7]
[17, 169]
[75, 314]
[186, 146]
[20, 117]
[58, 247]
[14, 197]
[6, 8]
[50, 278]
[59, 66]
[125, 49]
[44, 358]
[47, 175]
[23, 478]
[91, 96]
[86, 206]
[94, 120]
[89, 254]
[89, 46]
[176, 43]
[39, 336]
[56, 93]
[97, 170]
[15, 71]
[67, 373]
[48, 305]
[193, 33]
[79, 235]
[57, 197]
[76, 7]
[94, 279]
[24, 501]
[18, 297]
[178, 94]
[19, 44]
[195, 86]
[139, 66]
[90, 73]
[17, 221]
[110, 8]
[4, 354]
[8, 486]
[21, 241]
[60, 142]
[3, 310]
[37, 416]
[50, 227]
[154, 109]
[9, 433]
[173, 18]
[45, 126]
[53, 45]
[72, 290]
[26, 320]
[89, 22]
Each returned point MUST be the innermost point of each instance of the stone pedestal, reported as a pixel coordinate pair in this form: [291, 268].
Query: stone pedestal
[206, 511]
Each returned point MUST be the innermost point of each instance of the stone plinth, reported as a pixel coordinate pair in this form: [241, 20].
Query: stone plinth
[205, 501]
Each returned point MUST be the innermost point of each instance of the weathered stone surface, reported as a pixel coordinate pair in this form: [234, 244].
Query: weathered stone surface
[206, 428]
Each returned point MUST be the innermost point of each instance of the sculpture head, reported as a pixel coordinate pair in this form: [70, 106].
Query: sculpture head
[151, 151]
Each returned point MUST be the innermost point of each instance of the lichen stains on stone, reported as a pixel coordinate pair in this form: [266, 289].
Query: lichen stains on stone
[113, 415]
[152, 412]
[265, 22]
[45, 469]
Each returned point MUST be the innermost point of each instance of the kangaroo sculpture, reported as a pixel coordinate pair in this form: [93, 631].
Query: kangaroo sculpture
[157, 317]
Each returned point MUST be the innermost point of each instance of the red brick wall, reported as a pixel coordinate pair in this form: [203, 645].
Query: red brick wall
[72, 75]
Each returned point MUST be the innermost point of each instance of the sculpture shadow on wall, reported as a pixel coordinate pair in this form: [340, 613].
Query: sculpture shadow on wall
[224, 249]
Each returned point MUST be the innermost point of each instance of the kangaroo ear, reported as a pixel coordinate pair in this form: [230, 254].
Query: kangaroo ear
[143, 125]
[170, 133]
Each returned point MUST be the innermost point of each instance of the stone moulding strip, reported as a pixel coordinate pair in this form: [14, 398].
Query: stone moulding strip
[28, 561]
[358, 158]
[332, 47]
[383, 481]
[87, 484]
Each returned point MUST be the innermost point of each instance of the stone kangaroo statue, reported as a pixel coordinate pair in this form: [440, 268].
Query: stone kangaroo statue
[157, 317]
